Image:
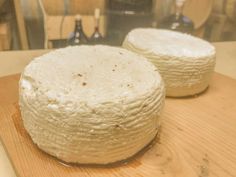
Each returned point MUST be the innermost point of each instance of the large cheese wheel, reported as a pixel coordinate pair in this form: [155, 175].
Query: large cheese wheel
[91, 104]
[185, 63]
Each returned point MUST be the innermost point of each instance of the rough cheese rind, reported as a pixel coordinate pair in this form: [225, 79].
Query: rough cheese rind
[91, 104]
[185, 63]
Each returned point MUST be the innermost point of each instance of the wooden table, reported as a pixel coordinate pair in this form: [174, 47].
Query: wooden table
[14, 62]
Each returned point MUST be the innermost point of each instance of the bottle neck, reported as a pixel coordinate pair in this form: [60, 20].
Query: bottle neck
[179, 8]
[96, 27]
[178, 11]
[78, 25]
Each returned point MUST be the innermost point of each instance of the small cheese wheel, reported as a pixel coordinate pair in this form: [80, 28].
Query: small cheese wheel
[91, 104]
[185, 62]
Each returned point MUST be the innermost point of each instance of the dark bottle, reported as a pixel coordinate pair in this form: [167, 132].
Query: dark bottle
[96, 37]
[177, 21]
[78, 37]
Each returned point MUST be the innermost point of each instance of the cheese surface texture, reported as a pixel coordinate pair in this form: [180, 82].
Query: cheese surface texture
[185, 63]
[91, 104]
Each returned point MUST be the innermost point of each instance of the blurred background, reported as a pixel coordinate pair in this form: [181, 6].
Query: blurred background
[39, 24]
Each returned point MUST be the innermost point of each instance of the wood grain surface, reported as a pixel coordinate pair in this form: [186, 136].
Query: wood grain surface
[197, 139]
[58, 7]
[198, 11]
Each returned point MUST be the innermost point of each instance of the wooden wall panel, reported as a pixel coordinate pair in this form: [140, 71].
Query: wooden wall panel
[57, 7]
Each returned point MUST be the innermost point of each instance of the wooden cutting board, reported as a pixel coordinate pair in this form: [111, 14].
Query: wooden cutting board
[197, 139]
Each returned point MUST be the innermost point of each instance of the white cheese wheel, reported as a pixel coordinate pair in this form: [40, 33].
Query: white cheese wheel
[91, 104]
[186, 63]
